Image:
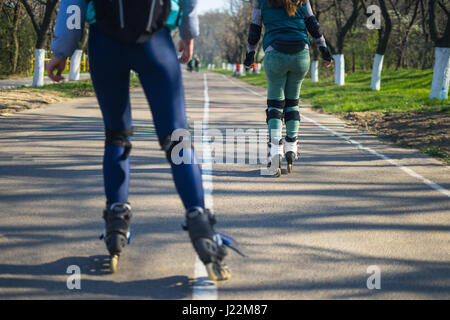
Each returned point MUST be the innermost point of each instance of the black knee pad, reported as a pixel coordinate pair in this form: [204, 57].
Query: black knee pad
[291, 115]
[119, 138]
[179, 139]
[274, 114]
[291, 103]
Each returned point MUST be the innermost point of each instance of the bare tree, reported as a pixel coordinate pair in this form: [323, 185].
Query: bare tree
[345, 17]
[383, 38]
[42, 15]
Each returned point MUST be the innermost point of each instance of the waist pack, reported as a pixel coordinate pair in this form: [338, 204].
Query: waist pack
[133, 21]
[289, 46]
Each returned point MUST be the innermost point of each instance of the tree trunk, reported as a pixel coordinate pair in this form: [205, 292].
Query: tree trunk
[15, 36]
[339, 69]
[441, 72]
[315, 71]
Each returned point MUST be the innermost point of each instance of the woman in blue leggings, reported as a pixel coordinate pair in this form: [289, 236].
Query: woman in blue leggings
[157, 64]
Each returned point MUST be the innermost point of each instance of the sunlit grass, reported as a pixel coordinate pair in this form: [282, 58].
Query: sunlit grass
[401, 91]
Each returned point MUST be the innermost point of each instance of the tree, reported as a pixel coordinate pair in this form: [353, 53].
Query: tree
[318, 10]
[441, 73]
[383, 38]
[42, 15]
[344, 22]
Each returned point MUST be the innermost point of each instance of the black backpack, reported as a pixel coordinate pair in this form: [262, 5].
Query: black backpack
[131, 21]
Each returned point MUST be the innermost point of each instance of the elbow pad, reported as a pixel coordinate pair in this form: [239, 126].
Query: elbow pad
[313, 27]
[254, 34]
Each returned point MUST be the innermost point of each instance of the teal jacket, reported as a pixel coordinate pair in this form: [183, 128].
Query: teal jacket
[280, 26]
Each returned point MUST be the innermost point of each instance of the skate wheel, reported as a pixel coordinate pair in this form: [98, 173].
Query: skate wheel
[217, 272]
[114, 263]
[289, 168]
[278, 173]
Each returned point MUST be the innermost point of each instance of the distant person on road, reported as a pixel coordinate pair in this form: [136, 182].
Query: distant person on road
[286, 62]
[123, 37]
[197, 64]
[190, 65]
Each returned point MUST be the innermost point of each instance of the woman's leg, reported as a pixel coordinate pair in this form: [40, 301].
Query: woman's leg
[110, 77]
[299, 66]
[276, 72]
[157, 64]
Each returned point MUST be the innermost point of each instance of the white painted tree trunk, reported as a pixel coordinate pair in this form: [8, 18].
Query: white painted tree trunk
[376, 72]
[315, 71]
[441, 74]
[39, 66]
[339, 69]
[75, 60]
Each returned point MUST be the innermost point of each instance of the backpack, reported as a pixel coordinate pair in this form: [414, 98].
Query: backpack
[174, 18]
[131, 21]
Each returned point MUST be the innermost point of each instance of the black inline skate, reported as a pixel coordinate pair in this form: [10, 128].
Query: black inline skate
[207, 243]
[117, 230]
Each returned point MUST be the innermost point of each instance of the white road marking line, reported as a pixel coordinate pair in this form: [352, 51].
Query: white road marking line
[407, 170]
[203, 288]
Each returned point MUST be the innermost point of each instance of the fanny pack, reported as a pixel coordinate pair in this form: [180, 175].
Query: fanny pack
[289, 46]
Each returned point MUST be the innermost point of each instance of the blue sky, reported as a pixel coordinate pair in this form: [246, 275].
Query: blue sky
[205, 5]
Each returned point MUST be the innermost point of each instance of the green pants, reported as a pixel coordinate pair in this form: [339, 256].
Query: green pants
[285, 74]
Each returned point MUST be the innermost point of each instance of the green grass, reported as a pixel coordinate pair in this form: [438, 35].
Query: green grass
[436, 152]
[401, 91]
[75, 89]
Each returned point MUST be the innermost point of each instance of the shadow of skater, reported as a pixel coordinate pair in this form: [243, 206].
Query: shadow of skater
[50, 279]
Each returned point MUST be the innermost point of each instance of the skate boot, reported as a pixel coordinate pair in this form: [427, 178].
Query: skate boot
[275, 156]
[117, 230]
[207, 243]
[290, 152]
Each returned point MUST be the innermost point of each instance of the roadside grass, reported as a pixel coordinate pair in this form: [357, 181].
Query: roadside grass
[436, 152]
[401, 91]
[75, 89]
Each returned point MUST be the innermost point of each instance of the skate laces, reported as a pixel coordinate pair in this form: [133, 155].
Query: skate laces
[229, 242]
[219, 238]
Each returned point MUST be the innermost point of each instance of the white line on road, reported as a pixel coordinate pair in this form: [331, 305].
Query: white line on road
[203, 288]
[409, 171]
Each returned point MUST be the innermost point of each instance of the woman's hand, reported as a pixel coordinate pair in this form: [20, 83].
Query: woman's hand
[327, 63]
[56, 64]
[327, 58]
[187, 48]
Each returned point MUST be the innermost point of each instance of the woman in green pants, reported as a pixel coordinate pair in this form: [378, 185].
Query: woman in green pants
[286, 62]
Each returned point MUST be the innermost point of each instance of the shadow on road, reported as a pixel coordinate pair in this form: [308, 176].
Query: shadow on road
[49, 279]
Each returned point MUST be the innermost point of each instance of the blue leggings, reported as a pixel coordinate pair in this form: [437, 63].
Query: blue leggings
[159, 71]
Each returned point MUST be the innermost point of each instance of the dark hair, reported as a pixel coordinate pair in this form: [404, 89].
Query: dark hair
[291, 6]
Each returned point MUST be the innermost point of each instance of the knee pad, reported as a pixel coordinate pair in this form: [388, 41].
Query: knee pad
[293, 114]
[177, 141]
[274, 114]
[119, 138]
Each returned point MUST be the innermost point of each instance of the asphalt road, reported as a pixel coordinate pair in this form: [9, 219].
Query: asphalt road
[353, 205]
